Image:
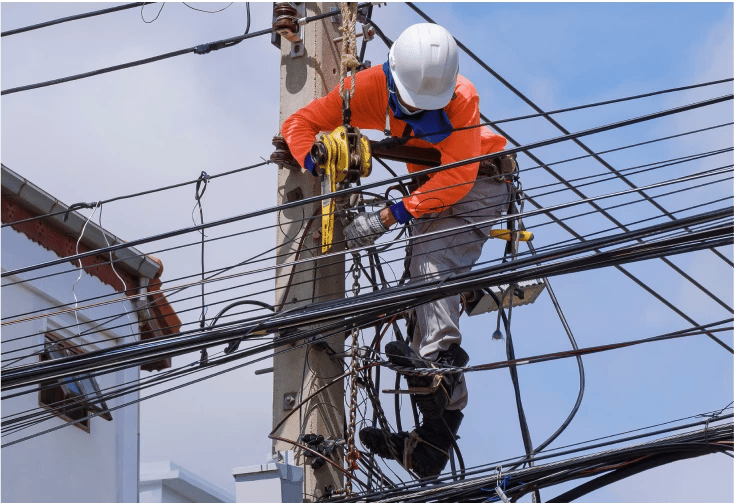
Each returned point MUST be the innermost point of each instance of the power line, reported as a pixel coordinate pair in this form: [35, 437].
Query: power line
[670, 161]
[199, 49]
[370, 304]
[74, 18]
[526, 215]
[242, 285]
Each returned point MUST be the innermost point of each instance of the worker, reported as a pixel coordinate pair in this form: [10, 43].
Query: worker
[419, 92]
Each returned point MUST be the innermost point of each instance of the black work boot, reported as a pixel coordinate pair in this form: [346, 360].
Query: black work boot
[431, 405]
[424, 450]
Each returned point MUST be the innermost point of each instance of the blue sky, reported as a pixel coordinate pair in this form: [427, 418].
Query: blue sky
[164, 123]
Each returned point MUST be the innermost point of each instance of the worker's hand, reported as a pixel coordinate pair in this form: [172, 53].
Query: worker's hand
[364, 230]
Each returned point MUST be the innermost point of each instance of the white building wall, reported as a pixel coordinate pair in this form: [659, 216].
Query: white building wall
[68, 465]
[167, 482]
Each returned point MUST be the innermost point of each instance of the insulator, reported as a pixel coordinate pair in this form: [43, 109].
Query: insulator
[282, 154]
[286, 21]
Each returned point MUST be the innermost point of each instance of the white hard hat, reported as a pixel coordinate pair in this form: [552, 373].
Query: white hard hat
[424, 62]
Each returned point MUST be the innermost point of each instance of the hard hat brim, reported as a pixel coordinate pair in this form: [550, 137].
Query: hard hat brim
[422, 101]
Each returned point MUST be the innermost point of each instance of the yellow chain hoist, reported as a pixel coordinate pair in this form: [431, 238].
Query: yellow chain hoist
[342, 157]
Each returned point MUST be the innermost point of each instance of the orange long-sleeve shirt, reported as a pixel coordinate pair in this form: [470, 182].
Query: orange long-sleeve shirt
[368, 107]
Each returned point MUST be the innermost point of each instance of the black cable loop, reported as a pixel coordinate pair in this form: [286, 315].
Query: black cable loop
[78, 206]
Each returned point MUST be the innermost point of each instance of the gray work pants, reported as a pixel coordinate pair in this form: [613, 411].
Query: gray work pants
[438, 255]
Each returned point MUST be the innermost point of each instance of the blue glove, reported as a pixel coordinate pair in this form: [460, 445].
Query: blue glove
[309, 165]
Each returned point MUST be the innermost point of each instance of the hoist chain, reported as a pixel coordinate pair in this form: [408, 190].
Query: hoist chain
[356, 274]
[352, 452]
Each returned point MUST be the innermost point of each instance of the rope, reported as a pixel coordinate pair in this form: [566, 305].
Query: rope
[349, 61]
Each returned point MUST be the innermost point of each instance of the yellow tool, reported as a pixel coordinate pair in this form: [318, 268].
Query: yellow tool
[342, 156]
[507, 235]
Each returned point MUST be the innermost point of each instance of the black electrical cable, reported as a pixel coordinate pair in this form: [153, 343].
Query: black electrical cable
[6, 322]
[670, 161]
[80, 345]
[156, 16]
[74, 18]
[315, 332]
[368, 305]
[576, 215]
[25, 280]
[370, 186]
[228, 358]
[489, 467]
[173, 288]
[220, 291]
[621, 473]
[543, 476]
[631, 276]
[510, 350]
[199, 49]
[209, 11]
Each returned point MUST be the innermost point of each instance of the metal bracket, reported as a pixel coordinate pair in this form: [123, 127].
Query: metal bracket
[297, 48]
[289, 400]
[286, 17]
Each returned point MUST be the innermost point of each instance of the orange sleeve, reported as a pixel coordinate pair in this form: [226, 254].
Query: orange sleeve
[491, 142]
[325, 114]
[447, 187]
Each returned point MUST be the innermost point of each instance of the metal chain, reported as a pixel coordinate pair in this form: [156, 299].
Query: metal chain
[356, 274]
[352, 453]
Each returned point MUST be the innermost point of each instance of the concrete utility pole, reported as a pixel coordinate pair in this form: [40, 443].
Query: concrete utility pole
[309, 70]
